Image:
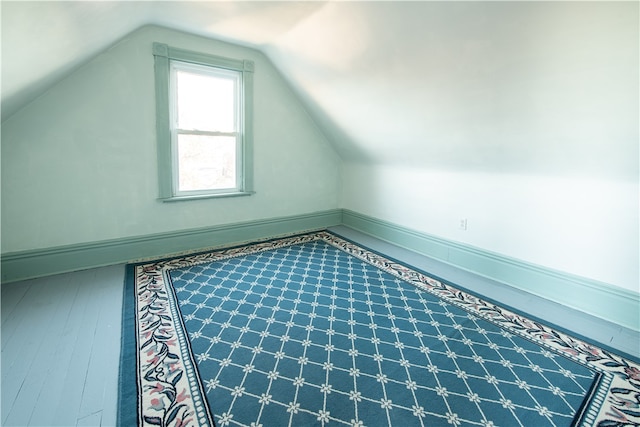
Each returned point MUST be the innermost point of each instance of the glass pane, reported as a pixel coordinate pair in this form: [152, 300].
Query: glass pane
[206, 162]
[206, 102]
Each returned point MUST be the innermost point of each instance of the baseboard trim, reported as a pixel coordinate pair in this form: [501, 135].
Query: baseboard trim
[44, 262]
[599, 299]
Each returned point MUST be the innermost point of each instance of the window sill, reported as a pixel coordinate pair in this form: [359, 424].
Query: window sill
[207, 196]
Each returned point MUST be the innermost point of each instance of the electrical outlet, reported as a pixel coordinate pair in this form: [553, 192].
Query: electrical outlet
[462, 224]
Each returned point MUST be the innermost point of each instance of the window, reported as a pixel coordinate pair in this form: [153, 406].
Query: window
[203, 124]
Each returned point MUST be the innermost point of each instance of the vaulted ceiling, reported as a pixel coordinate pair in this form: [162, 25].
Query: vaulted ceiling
[532, 87]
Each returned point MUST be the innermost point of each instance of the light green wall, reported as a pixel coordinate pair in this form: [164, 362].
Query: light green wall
[79, 163]
[586, 227]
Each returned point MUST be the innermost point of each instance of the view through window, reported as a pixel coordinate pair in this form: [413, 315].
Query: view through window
[206, 128]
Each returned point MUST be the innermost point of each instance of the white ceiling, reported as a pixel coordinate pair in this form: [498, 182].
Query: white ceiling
[42, 41]
[532, 87]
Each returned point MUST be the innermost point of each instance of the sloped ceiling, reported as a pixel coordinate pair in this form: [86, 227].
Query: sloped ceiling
[42, 41]
[494, 86]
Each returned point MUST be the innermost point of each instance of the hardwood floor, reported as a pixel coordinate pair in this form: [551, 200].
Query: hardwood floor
[61, 348]
[61, 337]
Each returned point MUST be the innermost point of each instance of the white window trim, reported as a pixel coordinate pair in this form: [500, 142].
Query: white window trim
[167, 167]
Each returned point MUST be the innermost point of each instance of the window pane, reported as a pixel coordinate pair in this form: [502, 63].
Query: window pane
[206, 162]
[206, 102]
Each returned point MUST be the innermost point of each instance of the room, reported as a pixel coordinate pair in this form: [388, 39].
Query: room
[494, 145]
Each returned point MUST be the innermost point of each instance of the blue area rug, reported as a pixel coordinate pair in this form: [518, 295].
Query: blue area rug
[313, 330]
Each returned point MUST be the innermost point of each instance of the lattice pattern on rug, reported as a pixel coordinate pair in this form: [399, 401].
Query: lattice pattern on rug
[314, 330]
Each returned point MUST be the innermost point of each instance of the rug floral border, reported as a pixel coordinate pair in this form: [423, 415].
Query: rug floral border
[170, 392]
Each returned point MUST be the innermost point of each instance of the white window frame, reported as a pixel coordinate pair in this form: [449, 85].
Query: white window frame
[167, 61]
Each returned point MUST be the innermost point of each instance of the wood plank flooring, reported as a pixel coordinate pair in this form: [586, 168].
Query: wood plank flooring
[61, 337]
[61, 349]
